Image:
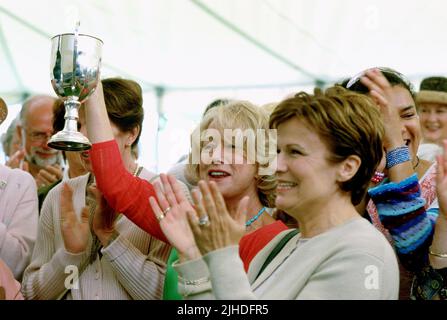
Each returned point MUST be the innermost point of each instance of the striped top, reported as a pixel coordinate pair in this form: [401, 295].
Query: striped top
[133, 266]
[407, 211]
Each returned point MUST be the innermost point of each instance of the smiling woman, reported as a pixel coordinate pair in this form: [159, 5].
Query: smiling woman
[235, 167]
[432, 104]
[404, 205]
[328, 147]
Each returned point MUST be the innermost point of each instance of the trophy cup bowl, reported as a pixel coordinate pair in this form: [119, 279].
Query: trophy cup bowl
[75, 65]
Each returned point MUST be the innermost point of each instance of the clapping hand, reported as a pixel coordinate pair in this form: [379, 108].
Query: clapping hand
[214, 228]
[49, 175]
[17, 160]
[75, 232]
[200, 230]
[104, 218]
[172, 210]
[441, 181]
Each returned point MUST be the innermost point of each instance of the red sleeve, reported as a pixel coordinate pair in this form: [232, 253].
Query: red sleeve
[252, 243]
[124, 192]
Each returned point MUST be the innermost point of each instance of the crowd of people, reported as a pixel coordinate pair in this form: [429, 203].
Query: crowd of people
[336, 194]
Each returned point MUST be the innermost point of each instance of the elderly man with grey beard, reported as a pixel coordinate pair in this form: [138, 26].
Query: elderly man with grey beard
[35, 129]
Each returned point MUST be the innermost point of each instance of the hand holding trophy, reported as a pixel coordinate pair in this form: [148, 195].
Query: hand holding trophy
[75, 65]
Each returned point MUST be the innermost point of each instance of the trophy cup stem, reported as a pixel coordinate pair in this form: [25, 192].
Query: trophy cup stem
[69, 139]
[71, 115]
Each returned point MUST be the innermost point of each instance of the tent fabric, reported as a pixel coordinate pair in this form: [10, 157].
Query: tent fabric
[194, 51]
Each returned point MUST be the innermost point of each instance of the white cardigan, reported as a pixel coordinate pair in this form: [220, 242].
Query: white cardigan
[18, 218]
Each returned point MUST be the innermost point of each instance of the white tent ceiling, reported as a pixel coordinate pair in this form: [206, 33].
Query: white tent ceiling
[230, 43]
[223, 45]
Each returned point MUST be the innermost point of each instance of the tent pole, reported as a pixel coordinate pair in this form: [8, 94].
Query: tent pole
[159, 93]
[254, 41]
[11, 61]
[320, 84]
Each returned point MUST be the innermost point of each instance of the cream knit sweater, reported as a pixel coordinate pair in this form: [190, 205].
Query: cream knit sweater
[131, 267]
[350, 261]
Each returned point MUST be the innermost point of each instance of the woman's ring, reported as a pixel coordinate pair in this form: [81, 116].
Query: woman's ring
[204, 221]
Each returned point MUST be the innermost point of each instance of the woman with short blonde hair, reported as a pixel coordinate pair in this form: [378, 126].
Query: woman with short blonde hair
[242, 115]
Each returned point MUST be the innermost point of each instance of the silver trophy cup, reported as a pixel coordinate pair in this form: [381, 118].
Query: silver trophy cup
[75, 65]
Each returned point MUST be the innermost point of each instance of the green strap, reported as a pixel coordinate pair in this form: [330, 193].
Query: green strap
[170, 288]
[170, 291]
[277, 249]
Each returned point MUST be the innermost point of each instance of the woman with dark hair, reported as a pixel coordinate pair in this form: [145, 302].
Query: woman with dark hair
[80, 238]
[403, 203]
[328, 147]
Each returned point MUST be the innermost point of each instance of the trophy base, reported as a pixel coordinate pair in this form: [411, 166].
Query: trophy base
[69, 141]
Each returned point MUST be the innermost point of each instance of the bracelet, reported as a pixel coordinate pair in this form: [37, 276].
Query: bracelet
[196, 282]
[190, 287]
[437, 254]
[378, 177]
[397, 156]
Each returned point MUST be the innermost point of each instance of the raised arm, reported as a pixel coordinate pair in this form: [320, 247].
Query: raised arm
[438, 250]
[97, 120]
[432, 282]
[124, 192]
[401, 211]
[399, 203]
[393, 141]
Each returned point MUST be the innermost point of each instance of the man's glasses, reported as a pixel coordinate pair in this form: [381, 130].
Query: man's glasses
[36, 136]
